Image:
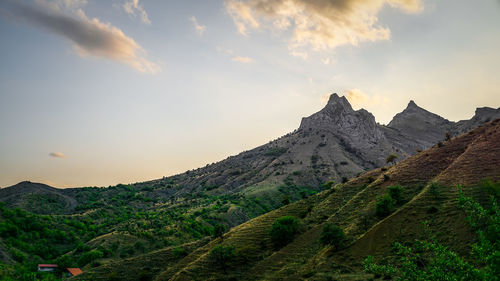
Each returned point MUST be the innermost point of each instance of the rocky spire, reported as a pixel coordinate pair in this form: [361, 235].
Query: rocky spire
[338, 102]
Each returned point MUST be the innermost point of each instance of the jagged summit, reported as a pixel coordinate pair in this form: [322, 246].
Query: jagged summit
[337, 115]
[336, 99]
[412, 104]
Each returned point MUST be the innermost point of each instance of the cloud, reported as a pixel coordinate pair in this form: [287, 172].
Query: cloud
[318, 24]
[358, 98]
[133, 8]
[242, 59]
[57, 155]
[90, 37]
[198, 27]
[62, 5]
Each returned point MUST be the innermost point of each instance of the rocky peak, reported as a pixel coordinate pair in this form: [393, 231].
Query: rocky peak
[412, 105]
[338, 117]
[414, 114]
[419, 124]
[336, 100]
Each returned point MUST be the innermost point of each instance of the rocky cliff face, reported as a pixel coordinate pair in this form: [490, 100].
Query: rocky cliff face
[338, 117]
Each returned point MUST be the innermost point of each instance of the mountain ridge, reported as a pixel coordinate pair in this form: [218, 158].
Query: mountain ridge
[429, 193]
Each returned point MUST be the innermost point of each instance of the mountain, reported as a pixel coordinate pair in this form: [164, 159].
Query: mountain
[428, 182]
[38, 198]
[174, 216]
[420, 125]
[426, 128]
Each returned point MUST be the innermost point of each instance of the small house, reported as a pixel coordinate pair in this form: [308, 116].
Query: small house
[74, 271]
[47, 267]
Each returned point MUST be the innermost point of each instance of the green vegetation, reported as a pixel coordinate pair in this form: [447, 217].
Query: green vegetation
[284, 230]
[396, 193]
[491, 187]
[328, 184]
[219, 230]
[275, 151]
[391, 159]
[332, 235]
[435, 190]
[285, 200]
[430, 260]
[385, 204]
[222, 255]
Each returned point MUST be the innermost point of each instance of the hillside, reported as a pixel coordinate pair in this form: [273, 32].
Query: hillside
[91, 226]
[429, 182]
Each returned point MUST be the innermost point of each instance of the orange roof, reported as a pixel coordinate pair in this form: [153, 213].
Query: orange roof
[74, 271]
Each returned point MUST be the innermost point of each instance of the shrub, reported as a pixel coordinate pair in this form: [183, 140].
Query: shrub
[285, 200]
[384, 206]
[222, 255]
[492, 188]
[332, 235]
[435, 190]
[391, 158]
[179, 252]
[284, 230]
[328, 184]
[89, 257]
[219, 230]
[395, 192]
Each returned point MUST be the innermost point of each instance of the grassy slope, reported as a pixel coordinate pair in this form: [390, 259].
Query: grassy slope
[464, 160]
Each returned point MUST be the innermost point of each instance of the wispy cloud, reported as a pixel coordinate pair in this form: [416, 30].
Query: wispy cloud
[242, 59]
[133, 8]
[197, 26]
[90, 37]
[358, 98]
[57, 155]
[318, 24]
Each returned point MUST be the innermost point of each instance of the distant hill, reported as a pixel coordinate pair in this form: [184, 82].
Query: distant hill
[38, 198]
[429, 182]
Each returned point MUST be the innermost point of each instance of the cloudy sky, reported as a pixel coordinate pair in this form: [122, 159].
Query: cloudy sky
[105, 92]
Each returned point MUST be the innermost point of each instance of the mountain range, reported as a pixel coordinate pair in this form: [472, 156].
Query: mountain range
[334, 144]
[330, 167]
[428, 182]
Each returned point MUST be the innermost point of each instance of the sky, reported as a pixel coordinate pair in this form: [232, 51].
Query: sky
[96, 93]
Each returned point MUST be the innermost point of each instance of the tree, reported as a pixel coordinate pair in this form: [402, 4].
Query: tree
[284, 230]
[332, 235]
[285, 200]
[395, 192]
[391, 158]
[384, 206]
[219, 230]
[222, 255]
